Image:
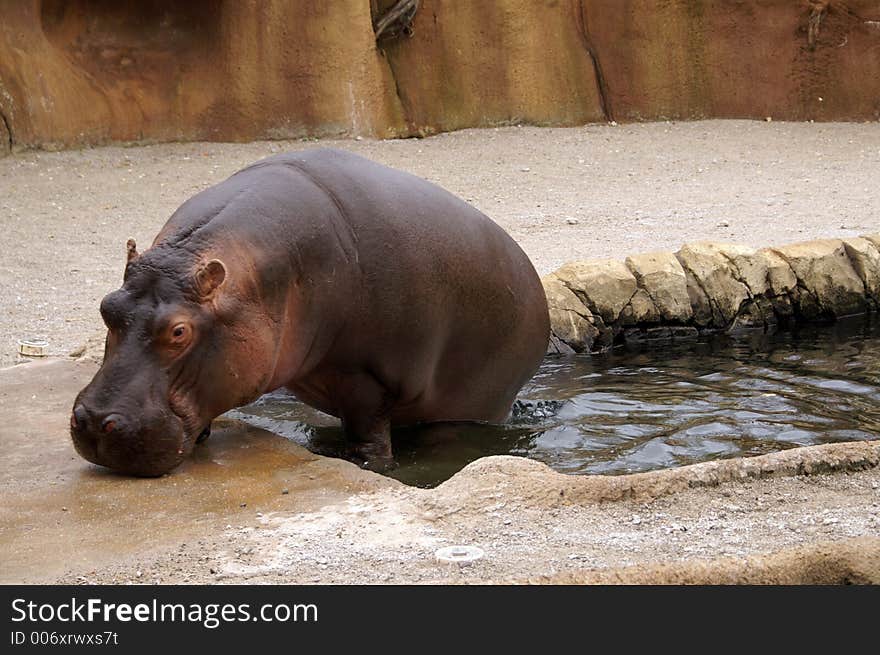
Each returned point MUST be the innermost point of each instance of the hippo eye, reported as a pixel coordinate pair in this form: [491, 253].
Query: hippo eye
[178, 332]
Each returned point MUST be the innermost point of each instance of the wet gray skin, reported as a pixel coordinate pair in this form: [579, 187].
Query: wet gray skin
[638, 409]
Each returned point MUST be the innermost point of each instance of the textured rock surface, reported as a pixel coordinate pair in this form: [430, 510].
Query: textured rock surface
[785, 59]
[781, 279]
[661, 276]
[853, 561]
[747, 265]
[535, 483]
[640, 310]
[84, 71]
[865, 259]
[716, 278]
[506, 61]
[874, 238]
[571, 320]
[606, 286]
[5, 137]
[826, 274]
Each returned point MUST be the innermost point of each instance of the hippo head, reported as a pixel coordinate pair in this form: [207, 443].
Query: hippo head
[167, 371]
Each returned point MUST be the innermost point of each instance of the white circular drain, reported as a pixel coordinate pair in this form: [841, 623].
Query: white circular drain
[459, 554]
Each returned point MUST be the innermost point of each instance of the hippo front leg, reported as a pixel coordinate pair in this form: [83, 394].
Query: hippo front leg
[204, 434]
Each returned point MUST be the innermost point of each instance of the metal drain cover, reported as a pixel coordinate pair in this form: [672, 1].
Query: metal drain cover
[459, 554]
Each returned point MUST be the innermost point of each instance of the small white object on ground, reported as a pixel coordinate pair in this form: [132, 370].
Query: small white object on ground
[459, 554]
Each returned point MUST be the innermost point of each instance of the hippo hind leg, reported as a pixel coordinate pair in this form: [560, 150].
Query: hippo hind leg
[366, 422]
[369, 443]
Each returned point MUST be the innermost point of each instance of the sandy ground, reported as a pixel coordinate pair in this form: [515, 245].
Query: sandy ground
[66, 215]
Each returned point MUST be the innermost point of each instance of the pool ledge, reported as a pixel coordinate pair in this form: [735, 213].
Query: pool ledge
[710, 286]
[536, 483]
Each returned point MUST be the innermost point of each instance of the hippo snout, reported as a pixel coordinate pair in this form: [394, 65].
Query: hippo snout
[143, 446]
[86, 422]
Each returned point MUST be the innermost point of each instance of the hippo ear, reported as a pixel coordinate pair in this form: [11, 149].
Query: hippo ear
[132, 249]
[210, 277]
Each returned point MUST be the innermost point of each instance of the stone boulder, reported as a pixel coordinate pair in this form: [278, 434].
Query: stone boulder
[706, 285]
[663, 279]
[769, 281]
[825, 272]
[781, 280]
[864, 256]
[605, 286]
[570, 322]
[716, 293]
[746, 265]
[873, 238]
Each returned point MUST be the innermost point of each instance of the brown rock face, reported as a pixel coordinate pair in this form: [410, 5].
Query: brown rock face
[606, 286]
[76, 72]
[715, 276]
[789, 59]
[507, 61]
[87, 71]
[865, 259]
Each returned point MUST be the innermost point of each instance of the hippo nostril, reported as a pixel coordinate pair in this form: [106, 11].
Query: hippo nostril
[111, 423]
[78, 417]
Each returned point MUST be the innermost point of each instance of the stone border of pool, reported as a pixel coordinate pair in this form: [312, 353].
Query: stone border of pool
[539, 485]
[854, 560]
[710, 286]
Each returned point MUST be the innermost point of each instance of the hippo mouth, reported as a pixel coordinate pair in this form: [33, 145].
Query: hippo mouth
[148, 453]
[195, 430]
[156, 447]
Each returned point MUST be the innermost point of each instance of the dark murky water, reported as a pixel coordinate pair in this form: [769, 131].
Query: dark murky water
[641, 409]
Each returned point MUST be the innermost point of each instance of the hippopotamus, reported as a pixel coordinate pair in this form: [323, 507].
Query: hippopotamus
[373, 295]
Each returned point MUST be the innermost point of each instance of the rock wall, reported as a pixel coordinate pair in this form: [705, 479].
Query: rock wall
[484, 63]
[708, 286]
[76, 72]
[788, 59]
